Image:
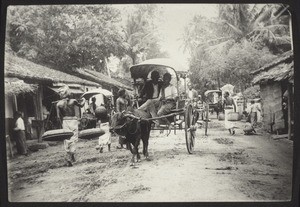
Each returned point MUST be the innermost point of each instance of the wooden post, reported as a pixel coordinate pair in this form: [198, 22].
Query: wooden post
[135, 92]
[15, 103]
[206, 117]
[185, 86]
[108, 73]
[174, 119]
[289, 111]
[11, 153]
[39, 112]
[291, 30]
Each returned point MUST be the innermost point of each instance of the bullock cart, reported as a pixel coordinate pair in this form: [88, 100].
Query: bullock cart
[183, 116]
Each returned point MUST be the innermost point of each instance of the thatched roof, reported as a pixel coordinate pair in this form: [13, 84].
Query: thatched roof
[16, 86]
[283, 71]
[37, 74]
[286, 57]
[126, 81]
[101, 78]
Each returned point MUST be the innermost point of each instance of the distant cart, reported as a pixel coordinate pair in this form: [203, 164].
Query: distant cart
[89, 120]
[212, 99]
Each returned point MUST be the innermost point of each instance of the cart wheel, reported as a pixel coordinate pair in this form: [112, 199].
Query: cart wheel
[190, 129]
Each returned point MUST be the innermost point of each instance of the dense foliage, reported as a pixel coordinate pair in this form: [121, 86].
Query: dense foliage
[223, 50]
[140, 36]
[66, 37]
[243, 38]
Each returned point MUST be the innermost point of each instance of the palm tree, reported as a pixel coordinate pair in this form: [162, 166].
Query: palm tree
[267, 25]
[138, 32]
[260, 25]
[263, 25]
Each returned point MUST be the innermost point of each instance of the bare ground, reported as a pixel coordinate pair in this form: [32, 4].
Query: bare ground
[223, 168]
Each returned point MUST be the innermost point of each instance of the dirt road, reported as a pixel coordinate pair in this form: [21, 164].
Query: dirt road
[223, 168]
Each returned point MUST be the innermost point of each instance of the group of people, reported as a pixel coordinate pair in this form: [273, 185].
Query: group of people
[252, 114]
[161, 96]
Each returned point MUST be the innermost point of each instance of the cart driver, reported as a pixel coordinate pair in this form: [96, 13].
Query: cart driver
[165, 102]
[151, 91]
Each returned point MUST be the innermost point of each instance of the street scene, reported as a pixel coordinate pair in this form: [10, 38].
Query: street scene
[223, 168]
[149, 103]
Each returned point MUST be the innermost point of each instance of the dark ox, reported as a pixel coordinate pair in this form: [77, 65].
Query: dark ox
[134, 129]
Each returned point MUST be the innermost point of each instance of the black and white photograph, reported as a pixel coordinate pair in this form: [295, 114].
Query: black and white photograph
[149, 102]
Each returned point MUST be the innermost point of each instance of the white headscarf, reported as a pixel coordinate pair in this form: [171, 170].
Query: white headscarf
[64, 91]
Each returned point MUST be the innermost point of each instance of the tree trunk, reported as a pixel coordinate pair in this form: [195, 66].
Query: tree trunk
[132, 55]
[108, 72]
[133, 59]
[106, 67]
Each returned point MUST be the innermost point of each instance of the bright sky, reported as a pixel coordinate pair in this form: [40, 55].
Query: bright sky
[176, 17]
[173, 20]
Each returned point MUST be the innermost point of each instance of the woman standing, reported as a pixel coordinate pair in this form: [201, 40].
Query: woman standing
[229, 106]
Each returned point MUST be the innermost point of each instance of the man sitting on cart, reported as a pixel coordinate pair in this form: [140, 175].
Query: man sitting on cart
[151, 91]
[165, 101]
[167, 97]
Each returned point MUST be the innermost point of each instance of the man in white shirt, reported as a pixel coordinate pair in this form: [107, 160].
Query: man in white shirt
[168, 96]
[192, 95]
[20, 134]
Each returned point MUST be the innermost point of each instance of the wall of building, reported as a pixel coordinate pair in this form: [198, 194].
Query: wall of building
[271, 95]
[9, 109]
[9, 115]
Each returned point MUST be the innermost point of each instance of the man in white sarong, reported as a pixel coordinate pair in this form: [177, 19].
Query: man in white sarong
[65, 109]
[104, 139]
[229, 106]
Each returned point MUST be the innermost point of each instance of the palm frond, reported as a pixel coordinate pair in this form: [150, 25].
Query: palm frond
[277, 26]
[235, 29]
[264, 15]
